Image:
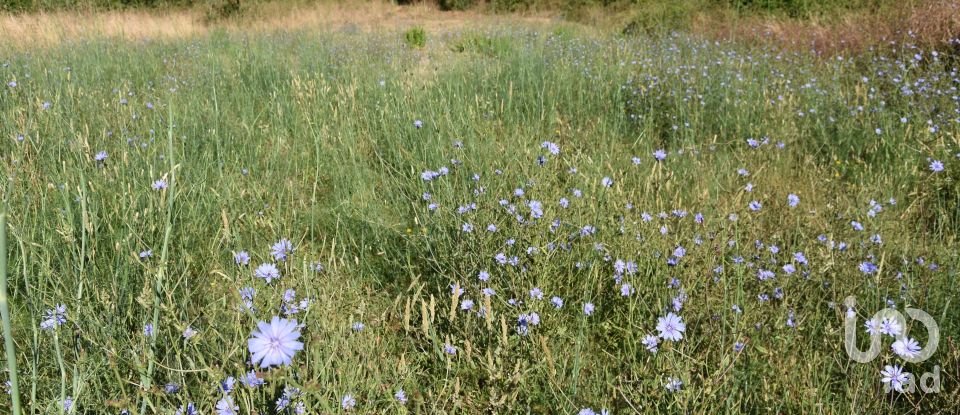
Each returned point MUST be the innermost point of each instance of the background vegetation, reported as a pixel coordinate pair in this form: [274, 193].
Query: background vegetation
[794, 8]
[827, 26]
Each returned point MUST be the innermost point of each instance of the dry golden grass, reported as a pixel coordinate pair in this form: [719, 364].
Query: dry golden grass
[936, 22]
[46, 29]
[374, 16]
[931, 24]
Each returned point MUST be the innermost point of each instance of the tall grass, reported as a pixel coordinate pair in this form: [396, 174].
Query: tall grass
[322, 138]
[8, 345]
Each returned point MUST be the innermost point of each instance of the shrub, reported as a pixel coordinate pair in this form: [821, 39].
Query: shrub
[222, 9]
[801, 8]
[660, 17]
[455, 4]
[512, 5]
[415, 37]
[486, 45]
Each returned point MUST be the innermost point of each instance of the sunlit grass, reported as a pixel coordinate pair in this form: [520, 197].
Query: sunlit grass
[323, 139]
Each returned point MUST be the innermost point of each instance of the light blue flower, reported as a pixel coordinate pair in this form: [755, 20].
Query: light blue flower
[274, 343]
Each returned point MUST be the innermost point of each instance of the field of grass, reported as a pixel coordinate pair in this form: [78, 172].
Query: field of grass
[498, 222]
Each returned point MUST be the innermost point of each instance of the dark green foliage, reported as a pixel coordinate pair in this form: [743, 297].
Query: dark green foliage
[223, 9]
[455, 4]
[660, 17]
[415, 37]
[802, 8]
[513, 5]
[486, 45]
[51, 5]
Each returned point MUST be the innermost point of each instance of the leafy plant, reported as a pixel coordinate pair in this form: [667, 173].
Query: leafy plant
[222, 9]
[482, 44]
[654, 18]
[415, 37]
[456, 4]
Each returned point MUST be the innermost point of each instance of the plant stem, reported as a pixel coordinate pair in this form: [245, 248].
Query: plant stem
[63, 370]
[5, 314]
[161, 272]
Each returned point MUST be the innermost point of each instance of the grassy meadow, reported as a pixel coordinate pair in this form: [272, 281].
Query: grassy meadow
[491, 219]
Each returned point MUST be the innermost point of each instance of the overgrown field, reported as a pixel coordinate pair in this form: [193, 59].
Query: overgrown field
[512, 220]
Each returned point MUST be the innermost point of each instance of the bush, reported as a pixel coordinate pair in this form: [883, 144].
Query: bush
[512, 5]
[455, 4]
[222, 9]
[415, 37]
[494, 46]
[802, 8]
[660, 17]
[19, 6]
